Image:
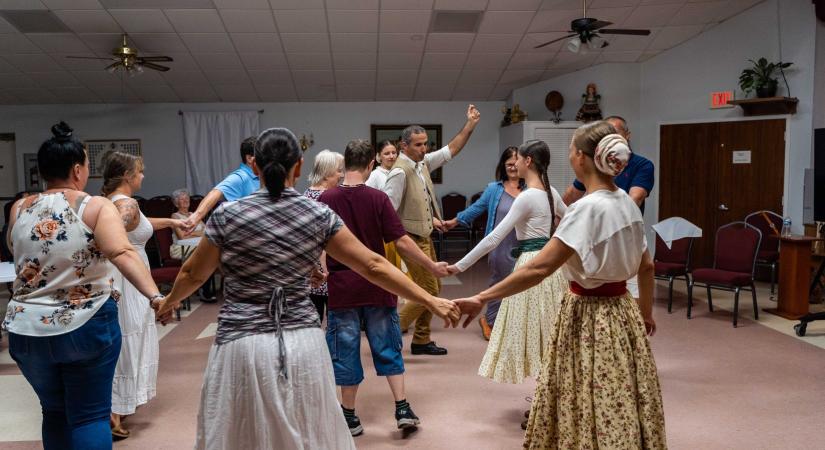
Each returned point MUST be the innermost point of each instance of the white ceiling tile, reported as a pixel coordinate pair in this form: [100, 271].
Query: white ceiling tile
[32, 62]
[513, 5]
[98, 77]
[394, 92]
[158, 42]
[58, 42]
[364, 93]
[563, 4]
[407, 4]
[184, 77]
[75, 95]
[176, 4]
[404, 21]
[480, 76]
[400, 42]
[207, 42]
[212, 61]
[616, 15]
[182, 61]
[456, 5]
[669, 37]
[248, 21]
[352, 21]
[257, 42]
[54, 79]
[263, 61]
[505, 22]
[629, 43]
[279, 76]
[450, 42]
[12, 43]
[21, 4]
[521, 77]
[572, 60]
[359, 77]
[529, 61]
[354, 42]
[700, 13]
[647, 55]
[101, 44]
[237, 93]
[631, 56]
[203, 93]
[397, 76]
[33, 95]
[356, 60]
[16, 80]
[305, 42]
[501, 91]
[400, 60]
[487, 60]
[276, 93]
[5, 67]
[301, 21]
[297, 4]
[443, 60]
[72, 4]
[352, 4]
[437, 76]
[496, 43]
[156, 94]
[195, 20]
[433, 92]
[553, 20]
[241, 4]
[226, 76]
[142, 20]
[531, 40]
[89, 21]
[6, 27]
[309, 61]
[149, 77]
[612, 3]
[737, 6]
[472, 92]
[313, 77]
[646, 16]
[315, 93]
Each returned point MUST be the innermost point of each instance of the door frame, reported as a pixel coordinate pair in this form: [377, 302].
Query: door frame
[787, 163]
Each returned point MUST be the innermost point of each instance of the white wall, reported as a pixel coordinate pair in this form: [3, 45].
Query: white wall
[332, 124]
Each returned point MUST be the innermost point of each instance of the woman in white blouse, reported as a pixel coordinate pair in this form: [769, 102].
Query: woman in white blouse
[524, 323]
[599, 387]
[385, 156]
[181, 199]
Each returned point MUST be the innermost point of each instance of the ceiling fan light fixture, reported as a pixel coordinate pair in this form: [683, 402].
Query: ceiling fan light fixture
[112, 68]
[574, 44]
[596, 42]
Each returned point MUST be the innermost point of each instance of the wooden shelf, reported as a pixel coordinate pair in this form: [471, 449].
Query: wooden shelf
[767, 106]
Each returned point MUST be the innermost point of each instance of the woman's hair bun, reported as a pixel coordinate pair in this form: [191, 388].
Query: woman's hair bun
[62, 131]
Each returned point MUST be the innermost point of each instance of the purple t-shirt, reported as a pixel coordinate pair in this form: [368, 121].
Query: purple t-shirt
[369, 215]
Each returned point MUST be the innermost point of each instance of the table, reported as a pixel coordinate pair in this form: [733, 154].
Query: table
[794, 276]
[188, 246]
[7, 272]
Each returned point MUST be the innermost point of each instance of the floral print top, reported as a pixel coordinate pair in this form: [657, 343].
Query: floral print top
[62, 277]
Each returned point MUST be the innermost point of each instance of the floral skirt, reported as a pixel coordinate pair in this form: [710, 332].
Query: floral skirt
[523, 329]
[599, 387]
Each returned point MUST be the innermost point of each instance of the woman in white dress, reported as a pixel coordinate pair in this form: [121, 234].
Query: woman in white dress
[524, 322]
[136, 372]
[386, 156]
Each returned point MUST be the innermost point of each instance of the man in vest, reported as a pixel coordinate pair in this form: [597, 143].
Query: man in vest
[411, 192]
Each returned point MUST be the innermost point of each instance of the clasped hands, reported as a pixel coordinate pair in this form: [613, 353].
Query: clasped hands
[452, 310]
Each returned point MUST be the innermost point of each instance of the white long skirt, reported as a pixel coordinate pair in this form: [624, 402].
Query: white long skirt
[246, 404]
[136, 373]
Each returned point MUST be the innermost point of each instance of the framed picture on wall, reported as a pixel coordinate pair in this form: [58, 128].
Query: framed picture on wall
[392, 133]
[98, 148]
[31, 173]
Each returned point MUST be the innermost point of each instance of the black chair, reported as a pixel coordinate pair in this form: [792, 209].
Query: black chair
[479, 226]
[451, 205]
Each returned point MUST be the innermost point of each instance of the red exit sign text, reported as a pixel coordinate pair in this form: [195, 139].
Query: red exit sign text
[720, 99]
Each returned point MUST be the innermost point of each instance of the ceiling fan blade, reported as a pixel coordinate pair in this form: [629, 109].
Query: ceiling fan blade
[154, 66]
[625, 31]
[113, 66]
[91, 57]
[156, 58]
[598, 25]
[556, 40]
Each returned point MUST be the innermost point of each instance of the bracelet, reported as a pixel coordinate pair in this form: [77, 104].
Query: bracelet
[156, 297]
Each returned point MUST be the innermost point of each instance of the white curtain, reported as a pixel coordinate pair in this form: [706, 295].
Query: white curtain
[212, 143]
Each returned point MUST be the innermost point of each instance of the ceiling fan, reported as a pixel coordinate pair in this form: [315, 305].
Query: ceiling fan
[587, 31]
[127, 58]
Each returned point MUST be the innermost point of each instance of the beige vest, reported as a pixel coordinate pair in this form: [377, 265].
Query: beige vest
[418, 205]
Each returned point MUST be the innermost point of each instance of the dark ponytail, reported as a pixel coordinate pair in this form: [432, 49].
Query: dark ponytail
[58, 155]
[276, 151]
[539, 153]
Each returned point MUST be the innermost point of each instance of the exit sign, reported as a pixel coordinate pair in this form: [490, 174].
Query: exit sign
[720, 99]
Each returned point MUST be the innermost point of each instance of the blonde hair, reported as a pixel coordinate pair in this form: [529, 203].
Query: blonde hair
[326, 163]
[587, 137]
[117, 166]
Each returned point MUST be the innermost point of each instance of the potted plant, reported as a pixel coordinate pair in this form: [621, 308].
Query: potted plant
[759, 77]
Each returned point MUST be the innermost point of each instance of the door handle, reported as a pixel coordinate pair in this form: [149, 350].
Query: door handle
[723, 207]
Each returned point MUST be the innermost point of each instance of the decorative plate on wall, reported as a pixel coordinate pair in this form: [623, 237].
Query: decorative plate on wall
[98, 148]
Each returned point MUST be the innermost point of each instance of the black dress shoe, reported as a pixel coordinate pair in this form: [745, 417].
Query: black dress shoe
[428, 349]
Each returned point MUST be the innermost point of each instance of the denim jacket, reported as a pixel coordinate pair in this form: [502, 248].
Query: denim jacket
[488, 201]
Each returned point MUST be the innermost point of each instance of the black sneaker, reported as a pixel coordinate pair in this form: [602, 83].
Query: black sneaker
[354, 424]
[406, 418]
[428, 349]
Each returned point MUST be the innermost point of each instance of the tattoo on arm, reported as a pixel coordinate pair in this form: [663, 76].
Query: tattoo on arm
[129, 213]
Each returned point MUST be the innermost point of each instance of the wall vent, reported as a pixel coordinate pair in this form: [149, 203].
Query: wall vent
[34, 21]
[455, 21]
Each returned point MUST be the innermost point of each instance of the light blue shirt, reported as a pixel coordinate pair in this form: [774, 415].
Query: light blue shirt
[240, 183]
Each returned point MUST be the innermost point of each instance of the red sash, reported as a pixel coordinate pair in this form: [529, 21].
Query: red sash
[606, 290]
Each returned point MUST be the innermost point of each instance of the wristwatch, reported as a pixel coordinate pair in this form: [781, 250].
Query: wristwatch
[157, 296]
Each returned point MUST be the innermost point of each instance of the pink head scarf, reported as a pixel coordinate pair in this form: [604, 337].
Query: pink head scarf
[612, 154]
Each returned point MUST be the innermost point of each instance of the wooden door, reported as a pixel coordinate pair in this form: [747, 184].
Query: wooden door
[698, 179]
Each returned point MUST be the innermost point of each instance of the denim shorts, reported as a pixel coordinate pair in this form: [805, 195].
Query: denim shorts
[344, 342]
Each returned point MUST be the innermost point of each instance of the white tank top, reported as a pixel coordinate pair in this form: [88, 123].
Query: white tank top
[62, 277]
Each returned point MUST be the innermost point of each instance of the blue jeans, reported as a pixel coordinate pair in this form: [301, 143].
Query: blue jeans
[72, 375]
[344, 342]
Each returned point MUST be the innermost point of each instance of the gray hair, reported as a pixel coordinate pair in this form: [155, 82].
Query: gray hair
[326, 163]
[406, 135]
[177, 194]
[619, 119]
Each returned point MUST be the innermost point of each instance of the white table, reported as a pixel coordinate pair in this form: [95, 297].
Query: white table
[189, 246]
[7, 273]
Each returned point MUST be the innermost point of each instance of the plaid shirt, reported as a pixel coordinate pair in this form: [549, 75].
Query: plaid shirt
[266, 244]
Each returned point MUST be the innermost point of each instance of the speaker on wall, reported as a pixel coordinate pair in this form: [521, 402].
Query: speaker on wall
[819, 174]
